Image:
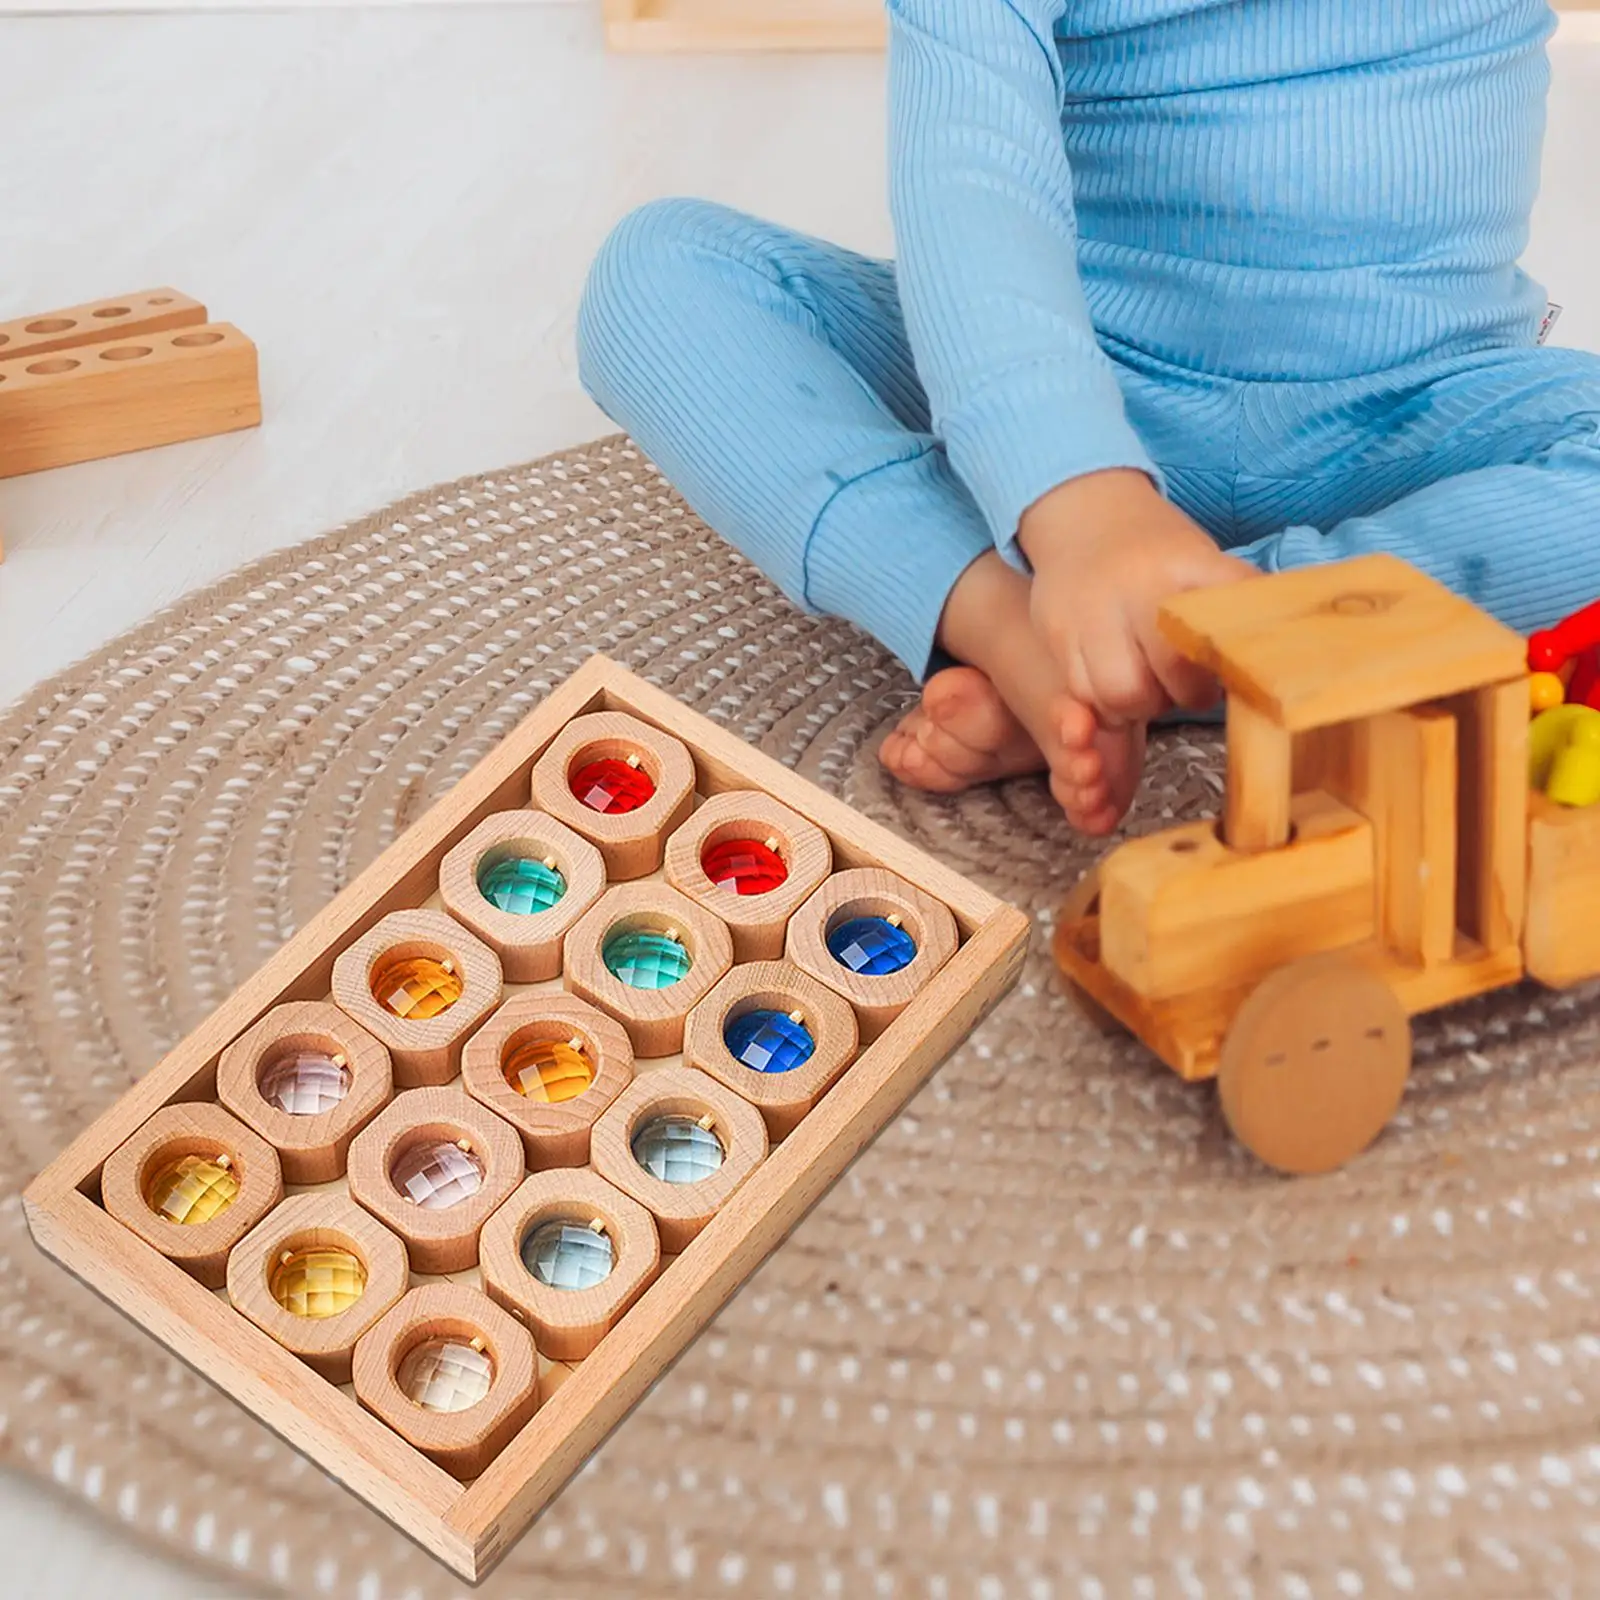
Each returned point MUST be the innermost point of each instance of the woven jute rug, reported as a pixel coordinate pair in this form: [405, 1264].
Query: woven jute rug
[1051, 1335]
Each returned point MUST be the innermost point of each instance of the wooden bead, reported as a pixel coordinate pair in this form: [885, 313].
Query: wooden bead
[631, 841]
[757, 922]
[528, 944]
[476, 1162]
[872, 892]
[316, 1223]
[568, 1323]
[654, 1018]
[782, 1098]
[425, 1049]
[681, 1210]
[555, 1133]
[463, 1442]
[311, 1148]
[176, 1133]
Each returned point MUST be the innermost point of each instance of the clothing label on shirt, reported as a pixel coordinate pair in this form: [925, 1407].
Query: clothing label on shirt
[1552, 316]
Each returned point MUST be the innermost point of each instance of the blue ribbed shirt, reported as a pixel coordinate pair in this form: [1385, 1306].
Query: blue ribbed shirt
[1282, 190]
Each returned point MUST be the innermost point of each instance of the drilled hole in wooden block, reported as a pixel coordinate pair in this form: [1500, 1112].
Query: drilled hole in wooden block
[452, 1373]
[47, 369]
[205, 336]
[315, 1275]
[549, 1064]
[51, 325]
[114, 311]
[160, 300]
[125, 352]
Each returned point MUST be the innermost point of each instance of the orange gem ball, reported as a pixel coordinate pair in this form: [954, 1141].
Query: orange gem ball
[416, 987]
[549, 1071]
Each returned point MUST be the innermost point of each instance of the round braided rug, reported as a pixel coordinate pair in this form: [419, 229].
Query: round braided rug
[1051, 1335]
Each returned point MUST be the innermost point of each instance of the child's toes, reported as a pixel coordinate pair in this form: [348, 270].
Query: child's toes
[1076, 724]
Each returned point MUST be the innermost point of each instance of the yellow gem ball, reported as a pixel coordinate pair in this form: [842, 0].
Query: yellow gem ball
[191, 1190]
[318, 1281]
[415, 987]
[549, 1071]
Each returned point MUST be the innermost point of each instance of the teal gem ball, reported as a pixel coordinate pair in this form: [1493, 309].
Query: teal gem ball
[521, 885]
[645, 960]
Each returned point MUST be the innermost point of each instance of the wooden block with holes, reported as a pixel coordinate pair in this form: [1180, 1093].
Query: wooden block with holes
[724, 25]
[125, 374]
[524, 1201]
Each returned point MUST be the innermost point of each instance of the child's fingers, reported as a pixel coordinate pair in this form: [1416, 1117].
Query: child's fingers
[1188, 685]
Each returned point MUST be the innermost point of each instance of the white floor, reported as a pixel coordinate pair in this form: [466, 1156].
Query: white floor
[398, 206]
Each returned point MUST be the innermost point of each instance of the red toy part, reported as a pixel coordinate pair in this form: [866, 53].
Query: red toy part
[1584, 690]
[1551, 648]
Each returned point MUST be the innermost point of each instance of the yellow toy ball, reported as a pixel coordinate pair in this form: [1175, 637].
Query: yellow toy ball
[1545, 690]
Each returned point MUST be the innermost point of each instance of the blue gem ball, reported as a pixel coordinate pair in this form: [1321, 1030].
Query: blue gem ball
[768, 1041]
[872, 946]
[522, 886]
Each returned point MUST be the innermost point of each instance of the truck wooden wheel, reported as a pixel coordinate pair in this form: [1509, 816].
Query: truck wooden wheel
[1314, 1065]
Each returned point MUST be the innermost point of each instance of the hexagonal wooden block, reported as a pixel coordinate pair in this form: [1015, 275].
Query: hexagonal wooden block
[681, 1210]
[654, 1018]
[310, 1221]
[872, 892]
[424, 1049]
[757, 922]
[554, 1133]
[630, 841]
[528, 944]
[311, 1148]
[173, 1133]
[462, 1442]
[568, 1323]
[438, 1219]
[782, 1098]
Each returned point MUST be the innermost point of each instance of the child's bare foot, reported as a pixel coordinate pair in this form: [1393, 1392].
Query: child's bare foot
[961, 734]
[1008, 713]
[1100, 771]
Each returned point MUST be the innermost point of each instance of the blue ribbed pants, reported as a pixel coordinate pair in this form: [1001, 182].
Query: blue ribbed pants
[770, 377]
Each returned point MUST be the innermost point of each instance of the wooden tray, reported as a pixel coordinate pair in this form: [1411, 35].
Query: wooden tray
[469, 1525]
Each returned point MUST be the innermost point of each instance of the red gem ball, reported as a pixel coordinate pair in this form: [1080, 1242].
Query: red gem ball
[612, 786]
[746, 866]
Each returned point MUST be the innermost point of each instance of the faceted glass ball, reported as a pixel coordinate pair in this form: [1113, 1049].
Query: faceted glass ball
[305, 1083]
[192, 1189]
[678, 1150]
[436, 1174]
[768, 1041]
[550, 1071]
[318, 1281]
[612, 786]
[416, 987]
[872, 946]
[746, 866]
[645, 960]
[446, 1374]
[568, 1255]
[521, 885]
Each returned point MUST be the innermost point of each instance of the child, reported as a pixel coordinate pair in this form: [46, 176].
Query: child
[1186, 289]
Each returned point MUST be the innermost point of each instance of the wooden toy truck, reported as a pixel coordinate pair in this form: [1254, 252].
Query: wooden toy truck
[1381, 854]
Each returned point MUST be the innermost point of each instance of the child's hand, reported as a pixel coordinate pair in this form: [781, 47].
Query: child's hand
[1106, 551]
